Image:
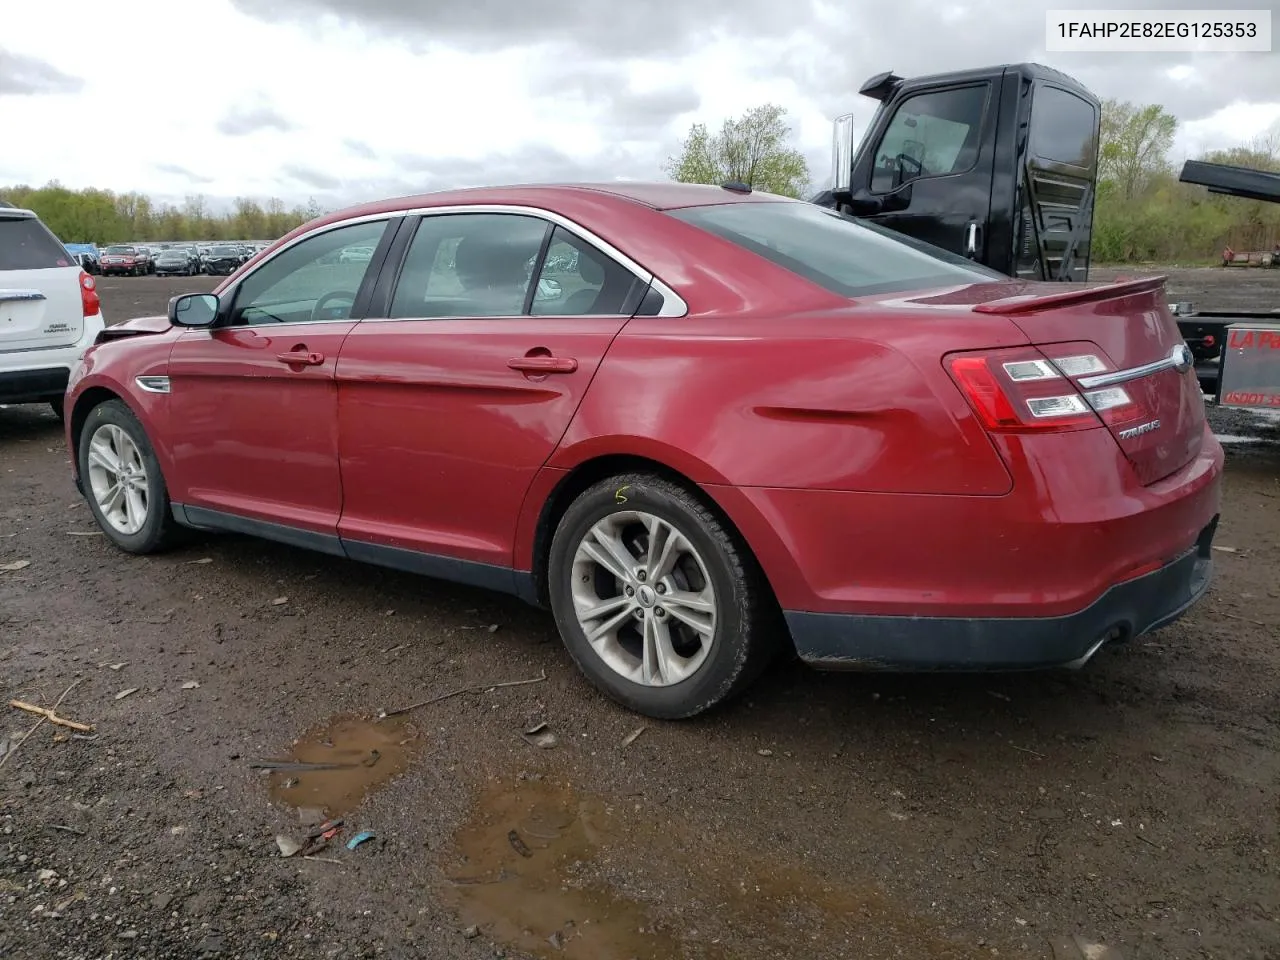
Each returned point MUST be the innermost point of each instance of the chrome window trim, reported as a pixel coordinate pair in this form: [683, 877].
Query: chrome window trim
[1179, 356]
[673, 305]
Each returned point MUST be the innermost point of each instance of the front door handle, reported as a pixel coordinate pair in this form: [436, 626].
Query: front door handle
[972, 236]
[542, 364]
[301, 356]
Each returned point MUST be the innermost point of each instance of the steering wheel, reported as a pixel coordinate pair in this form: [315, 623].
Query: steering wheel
[331, 295]
[906, 161]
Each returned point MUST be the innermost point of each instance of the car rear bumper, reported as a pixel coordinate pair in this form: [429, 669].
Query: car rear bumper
[30, 376]
[836, 641]
[33, 386]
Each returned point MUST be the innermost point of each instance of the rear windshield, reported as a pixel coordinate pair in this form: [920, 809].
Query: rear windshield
[26, 244]
[847, 256]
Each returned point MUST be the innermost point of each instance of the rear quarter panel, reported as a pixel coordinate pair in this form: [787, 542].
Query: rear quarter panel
[853, 400]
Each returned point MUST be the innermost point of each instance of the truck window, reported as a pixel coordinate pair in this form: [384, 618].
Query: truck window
[931, 134]
[1062, 127]
[849, 257]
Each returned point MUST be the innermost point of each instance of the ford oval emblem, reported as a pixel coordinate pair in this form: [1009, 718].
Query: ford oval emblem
[1182, 358]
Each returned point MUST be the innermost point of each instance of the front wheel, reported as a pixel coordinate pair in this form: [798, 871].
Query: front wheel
[122, 480]
[659, 603]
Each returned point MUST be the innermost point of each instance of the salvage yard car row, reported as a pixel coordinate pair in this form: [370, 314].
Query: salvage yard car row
[185, 258]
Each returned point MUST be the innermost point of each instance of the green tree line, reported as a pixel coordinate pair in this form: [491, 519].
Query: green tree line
[1142, 212]
[100, 216]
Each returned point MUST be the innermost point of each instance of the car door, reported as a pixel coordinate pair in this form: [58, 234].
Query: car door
[253, 399]
[932, 165]
[452, 398]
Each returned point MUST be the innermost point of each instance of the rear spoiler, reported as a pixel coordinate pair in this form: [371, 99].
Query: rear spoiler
[1110, 291]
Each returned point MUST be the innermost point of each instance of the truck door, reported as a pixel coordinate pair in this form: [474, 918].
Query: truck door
[925, 168]
[1054, 228]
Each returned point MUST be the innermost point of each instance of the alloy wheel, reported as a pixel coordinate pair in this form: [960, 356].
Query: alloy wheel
[644, 598]
[118, 479]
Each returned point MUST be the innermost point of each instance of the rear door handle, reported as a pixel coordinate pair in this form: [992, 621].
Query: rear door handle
[303, 357]
[972, 236]
[543, 364]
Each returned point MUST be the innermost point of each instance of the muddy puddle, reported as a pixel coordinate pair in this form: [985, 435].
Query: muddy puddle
[553, 873]
[331, 769]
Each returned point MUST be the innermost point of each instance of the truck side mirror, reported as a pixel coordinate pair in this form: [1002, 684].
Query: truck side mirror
[842, 147]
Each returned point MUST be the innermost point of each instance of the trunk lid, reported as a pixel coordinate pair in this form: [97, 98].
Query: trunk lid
[40, 300]
[1129, 328]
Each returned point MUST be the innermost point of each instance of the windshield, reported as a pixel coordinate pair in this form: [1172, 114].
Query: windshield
[119, 249]
[847, 256]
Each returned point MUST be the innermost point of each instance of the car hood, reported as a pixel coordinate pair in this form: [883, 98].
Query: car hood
[138, 326]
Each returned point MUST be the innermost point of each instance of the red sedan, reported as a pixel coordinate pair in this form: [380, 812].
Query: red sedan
[700, 424]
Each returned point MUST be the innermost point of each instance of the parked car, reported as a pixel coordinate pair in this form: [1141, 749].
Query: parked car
[148, 254]
[87, 254]
[123, 260]
[745, 421]
[223, 260]
[176, 260]
[49, 311]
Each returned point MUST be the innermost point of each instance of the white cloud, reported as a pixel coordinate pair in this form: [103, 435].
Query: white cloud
[180, 99]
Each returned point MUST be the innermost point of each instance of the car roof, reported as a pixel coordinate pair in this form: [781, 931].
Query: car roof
[17, 213]
[656, 195]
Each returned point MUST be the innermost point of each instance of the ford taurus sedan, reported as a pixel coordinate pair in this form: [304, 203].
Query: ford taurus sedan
[727, 424]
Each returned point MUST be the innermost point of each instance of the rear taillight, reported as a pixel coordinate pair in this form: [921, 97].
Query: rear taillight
[90, 302]
[1026, 389]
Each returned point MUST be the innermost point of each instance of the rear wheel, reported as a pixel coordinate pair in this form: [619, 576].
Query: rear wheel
[122, 480]
[661, 606]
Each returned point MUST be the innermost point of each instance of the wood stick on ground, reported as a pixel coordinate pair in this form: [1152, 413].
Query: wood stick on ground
[478, 688]
[52, 717]
[43, 717]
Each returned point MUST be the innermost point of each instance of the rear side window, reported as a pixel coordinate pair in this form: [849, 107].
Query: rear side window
[849, 257]
[1062, 128]
[26, 244]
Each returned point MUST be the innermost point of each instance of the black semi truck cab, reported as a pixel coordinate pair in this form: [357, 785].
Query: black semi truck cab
[998, 164]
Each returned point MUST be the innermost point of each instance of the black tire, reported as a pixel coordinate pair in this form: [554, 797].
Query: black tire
[159, 531]
[748, 631]
[56, 406]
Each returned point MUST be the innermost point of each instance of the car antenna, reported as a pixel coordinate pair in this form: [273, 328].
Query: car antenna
[737, 186]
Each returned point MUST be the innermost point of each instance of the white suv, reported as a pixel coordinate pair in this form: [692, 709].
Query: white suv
[49, 311]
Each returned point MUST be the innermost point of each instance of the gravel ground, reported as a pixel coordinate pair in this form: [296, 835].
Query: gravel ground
[1131, 804]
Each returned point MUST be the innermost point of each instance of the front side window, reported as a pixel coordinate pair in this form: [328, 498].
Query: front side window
[309, 281]
[469, 265]
[930, 135]
[849, 257]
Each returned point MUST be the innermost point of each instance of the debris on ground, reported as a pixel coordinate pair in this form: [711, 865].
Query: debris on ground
[15, 565]
[52, 717]
[471, 932]
[518, 845]
[44, 716]
[540, 736]
[631, 737]
[279, 601]
[765, 752]
[201, 560]
[482, 688]
[191, 685]
[288, 846]
[128, 691]
[360, 838]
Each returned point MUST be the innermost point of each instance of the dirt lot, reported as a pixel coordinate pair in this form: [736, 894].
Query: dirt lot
[826, 816]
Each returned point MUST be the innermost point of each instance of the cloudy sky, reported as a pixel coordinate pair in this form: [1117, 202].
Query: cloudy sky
[349, 99]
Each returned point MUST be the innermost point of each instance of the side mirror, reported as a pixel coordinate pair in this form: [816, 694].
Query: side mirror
[193, 310]
[842, 147]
